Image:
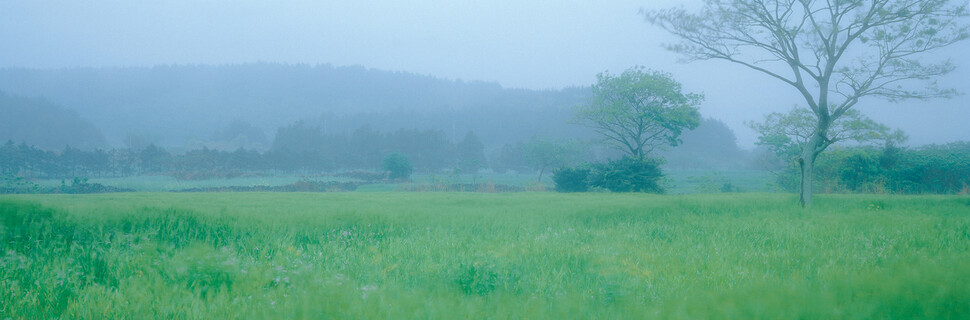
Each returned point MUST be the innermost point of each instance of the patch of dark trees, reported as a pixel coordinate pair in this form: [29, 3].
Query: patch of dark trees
[930, 169]
[298, 148]
[627, 174]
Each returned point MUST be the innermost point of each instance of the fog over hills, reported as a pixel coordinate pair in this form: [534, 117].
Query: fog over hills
[45, 124]
[518, 44]
[177, 105]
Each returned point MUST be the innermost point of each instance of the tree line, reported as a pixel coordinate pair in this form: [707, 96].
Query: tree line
[930, 169]
[297, 148]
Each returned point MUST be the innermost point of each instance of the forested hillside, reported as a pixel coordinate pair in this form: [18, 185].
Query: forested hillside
[177, 105]
[44, 124]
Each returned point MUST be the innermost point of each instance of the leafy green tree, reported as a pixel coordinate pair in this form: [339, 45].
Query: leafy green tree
[833, 53]
[397, 166]
[639, 110]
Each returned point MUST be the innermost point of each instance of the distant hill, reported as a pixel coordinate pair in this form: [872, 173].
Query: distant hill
[179, 104]
[45, 124]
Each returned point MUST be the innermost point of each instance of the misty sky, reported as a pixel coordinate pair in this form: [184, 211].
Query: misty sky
[536, 44]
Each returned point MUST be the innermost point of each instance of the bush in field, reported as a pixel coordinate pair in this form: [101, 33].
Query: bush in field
[17, 184]
[571, 179]
[397, 166]
[940, 169]
[627, 174]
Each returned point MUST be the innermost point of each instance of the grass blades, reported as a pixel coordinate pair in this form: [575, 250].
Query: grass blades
[460, 255]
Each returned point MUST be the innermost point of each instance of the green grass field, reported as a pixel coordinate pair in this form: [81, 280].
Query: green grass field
[469, 255]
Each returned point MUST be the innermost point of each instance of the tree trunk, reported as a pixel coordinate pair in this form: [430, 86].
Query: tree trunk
[807, 165]
[806, 162]
[541, 171]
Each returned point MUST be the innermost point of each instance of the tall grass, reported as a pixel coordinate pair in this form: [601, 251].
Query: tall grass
[443, 255]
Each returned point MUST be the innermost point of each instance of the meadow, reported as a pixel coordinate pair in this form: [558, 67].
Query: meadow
[534, 255]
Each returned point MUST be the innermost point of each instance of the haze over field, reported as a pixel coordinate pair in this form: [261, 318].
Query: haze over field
[441, 159]
[518, 44]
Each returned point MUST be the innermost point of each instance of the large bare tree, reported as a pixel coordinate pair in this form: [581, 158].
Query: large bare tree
[833, 52]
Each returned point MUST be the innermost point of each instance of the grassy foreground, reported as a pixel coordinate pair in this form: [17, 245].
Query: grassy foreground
[448, 256]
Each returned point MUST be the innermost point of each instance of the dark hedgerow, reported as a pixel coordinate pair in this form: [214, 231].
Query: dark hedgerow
[571, 179]
[627, 174]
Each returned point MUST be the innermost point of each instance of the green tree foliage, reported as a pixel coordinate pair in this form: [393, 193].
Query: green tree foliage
[640, 110]
[787, 134]
[833, 53]
[628, 174]
[397, 166]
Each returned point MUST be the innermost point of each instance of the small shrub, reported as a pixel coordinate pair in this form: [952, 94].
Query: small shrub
[623, 175]
[17, 184]
[397, 166]
[571, 179]
[628, 175]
